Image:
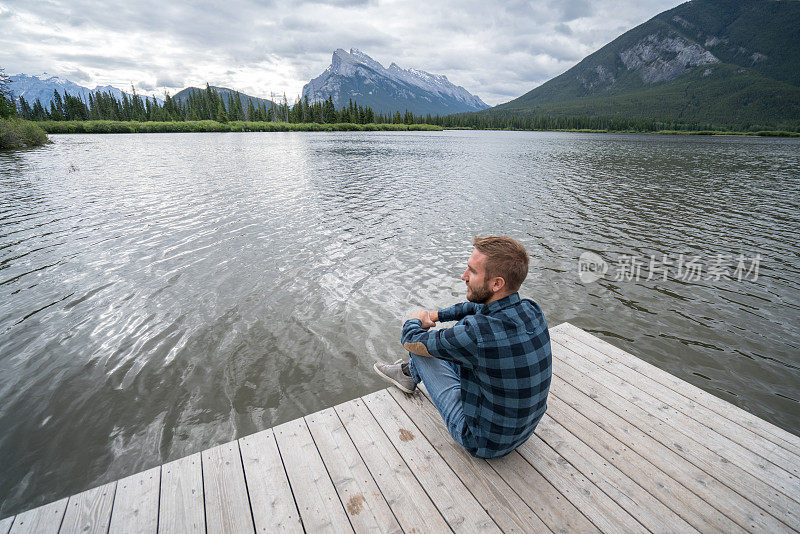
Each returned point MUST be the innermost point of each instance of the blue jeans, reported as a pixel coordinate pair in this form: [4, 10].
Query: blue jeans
[443, 382]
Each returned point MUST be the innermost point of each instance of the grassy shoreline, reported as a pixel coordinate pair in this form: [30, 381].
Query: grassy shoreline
[214, 126]
[19, 133]
[56, 127]
[761, 133]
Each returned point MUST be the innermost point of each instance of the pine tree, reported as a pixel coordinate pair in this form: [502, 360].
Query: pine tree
[222, 114]
[39, 113]
[25, 110]
[7, 106]
[251, 111]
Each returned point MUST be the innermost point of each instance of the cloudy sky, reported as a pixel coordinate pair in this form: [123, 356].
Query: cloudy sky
[497, 50]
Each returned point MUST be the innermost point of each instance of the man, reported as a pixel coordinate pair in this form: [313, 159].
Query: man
[490, 373]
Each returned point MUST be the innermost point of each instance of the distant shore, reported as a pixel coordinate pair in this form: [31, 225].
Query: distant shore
[102, 126]
[761, 133]
[57, 127]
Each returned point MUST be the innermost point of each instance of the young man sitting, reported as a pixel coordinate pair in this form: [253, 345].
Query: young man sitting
[489, 374]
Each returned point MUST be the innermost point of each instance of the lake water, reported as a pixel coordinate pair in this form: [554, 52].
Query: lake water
[163, 293]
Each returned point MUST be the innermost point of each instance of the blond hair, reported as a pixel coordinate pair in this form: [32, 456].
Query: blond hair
[505, 257]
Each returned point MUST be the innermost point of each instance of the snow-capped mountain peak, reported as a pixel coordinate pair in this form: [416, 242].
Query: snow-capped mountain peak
[41, 86]
[355, 75]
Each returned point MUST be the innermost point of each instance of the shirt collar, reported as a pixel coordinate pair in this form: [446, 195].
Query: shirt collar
[498, 305]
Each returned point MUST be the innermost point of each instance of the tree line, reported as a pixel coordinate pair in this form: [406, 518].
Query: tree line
[210, 104]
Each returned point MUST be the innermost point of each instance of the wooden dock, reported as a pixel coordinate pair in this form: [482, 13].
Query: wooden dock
[623, 447]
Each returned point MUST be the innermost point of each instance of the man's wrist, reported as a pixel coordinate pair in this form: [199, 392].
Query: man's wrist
[435, 316]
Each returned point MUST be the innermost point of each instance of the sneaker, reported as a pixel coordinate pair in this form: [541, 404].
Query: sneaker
[393, 372]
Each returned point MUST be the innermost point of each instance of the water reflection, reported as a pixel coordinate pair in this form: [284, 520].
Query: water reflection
[162, 293]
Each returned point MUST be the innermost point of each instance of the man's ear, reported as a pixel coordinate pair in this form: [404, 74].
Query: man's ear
[498, 284]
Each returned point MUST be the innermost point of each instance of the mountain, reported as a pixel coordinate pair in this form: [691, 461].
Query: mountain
[224, 92]
[357, 76]
[41, 87]
[717, 62]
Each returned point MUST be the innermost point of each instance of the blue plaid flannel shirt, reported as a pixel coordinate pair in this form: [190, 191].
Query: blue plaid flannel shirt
[503, 352]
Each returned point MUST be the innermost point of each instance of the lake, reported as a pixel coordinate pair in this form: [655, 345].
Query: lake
[163, 293]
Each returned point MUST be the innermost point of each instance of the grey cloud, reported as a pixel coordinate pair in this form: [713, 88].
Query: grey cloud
[339, 3]
[497, 50]
[293, 22]
[574, 9]
[78, 76]
[145, 86]
[96, 60]
[168, 80]
[563, 29]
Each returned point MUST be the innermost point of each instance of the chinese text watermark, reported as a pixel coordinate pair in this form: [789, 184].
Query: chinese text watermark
[683, 267]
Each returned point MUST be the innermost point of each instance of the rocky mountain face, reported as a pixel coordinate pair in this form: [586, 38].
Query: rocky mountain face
[705, 60]
[357, 76]
[40, 87]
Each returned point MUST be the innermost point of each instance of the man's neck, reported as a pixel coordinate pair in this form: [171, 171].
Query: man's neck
[498, 296]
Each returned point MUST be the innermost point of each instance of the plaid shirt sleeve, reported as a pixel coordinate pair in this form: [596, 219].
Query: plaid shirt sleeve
[458, 344]
[456, 312]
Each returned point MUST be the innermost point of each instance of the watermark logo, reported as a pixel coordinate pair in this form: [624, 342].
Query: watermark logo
[686, 268]
[591, 267]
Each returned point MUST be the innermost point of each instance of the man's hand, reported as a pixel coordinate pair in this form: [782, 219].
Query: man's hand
[427, 318]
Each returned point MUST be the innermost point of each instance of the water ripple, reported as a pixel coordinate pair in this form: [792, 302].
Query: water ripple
[163, 293]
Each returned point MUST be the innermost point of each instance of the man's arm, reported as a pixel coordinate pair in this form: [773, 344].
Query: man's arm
[457, 311]
[457, 344]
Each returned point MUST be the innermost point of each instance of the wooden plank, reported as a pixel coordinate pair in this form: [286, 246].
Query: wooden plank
[588, 498]
[685, 429]
[499, 500]
[732, 504]
[739, 443]
[723, 408]
[458, 506]
[136, 503]
[411, 505]
[90, 511]
[691, 506]
[555, 509]
[5, 524]
[319, 504]
[365, 506]
[225, 490]
[765, 497]
[181, 507]
[43, 520]
[633, 498]
[271, 497]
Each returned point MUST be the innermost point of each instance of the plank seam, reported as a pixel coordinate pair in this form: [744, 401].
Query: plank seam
[408, 466]
[448, 464]
[781, 519]
[246, 487]
[327, 471]
[61, 523]
[289, 482]
[203, 487]
[368, 469]
[113, 502]
[158, 499]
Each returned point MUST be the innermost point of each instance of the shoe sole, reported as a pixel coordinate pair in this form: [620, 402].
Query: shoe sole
[392, 380]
